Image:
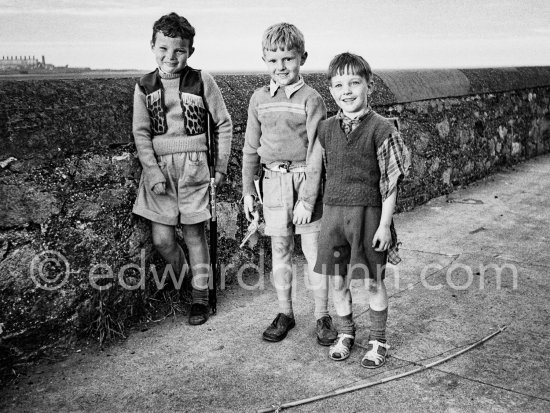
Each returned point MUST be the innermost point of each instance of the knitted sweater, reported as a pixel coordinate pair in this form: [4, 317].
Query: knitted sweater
[353, 173]
[280, 129]
[175, 140]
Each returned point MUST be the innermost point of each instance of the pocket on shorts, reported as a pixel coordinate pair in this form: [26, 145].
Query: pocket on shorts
[196, 158]
[196, 169]
[272, 191]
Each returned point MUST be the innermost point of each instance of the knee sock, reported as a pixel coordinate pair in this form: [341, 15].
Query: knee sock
[378, 324]
[345, 324]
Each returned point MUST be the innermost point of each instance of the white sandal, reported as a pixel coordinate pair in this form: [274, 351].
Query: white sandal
[376, 354]
[341, 349]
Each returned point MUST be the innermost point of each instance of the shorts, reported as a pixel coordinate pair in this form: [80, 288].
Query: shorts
[345, 242]
[280, 193]
[186, 199]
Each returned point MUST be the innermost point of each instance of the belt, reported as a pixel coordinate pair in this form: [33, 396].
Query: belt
[285, 167]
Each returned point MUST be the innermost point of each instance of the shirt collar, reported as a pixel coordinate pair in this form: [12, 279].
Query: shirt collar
[340, 115]
[289, 90]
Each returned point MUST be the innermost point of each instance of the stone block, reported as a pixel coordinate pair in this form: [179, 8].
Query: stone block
[92, 168]
[24, 204]
[443, 128]
[15, 274]
[227, 213]
[446, 176]
[435, 165]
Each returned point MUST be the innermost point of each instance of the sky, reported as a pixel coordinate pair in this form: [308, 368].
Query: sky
[390, 34]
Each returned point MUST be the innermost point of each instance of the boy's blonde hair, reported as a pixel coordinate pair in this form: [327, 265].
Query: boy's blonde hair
[283, 36]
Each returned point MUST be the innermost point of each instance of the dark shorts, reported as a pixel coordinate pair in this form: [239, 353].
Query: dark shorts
[345, 242]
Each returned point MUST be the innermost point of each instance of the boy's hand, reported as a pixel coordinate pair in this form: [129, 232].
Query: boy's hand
[301, 215]
[219, 179]
[159, 188]
[382, 237]
[248, 205]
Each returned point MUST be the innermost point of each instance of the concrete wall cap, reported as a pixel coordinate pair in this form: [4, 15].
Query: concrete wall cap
[414, 85]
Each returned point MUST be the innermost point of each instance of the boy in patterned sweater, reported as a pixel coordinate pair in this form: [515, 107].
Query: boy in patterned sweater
[169, 125]
[280, 133]
[365, 159]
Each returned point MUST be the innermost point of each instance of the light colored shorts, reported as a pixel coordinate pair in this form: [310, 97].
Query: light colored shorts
[186, 199]
[280, 194]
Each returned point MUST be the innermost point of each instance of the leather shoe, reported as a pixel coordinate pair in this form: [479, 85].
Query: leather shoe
[279, 328]
[199, 314]
[326, 333]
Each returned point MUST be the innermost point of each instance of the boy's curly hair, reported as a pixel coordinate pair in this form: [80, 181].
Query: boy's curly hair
[174, 25]
[349, 63]
[283, 36]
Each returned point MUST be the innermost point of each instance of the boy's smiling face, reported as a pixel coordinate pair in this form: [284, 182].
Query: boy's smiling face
[171, 53]
[351, 93]
[284, 65]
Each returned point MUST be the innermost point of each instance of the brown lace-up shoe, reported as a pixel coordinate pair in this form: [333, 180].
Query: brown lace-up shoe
[326, 333]
[279, 328]
[199, 314]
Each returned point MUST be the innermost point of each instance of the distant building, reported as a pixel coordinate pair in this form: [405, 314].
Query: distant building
[9, 63]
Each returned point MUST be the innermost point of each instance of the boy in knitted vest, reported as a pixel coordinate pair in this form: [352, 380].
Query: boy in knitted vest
[365, 159]
[280, 133]
[169, 125]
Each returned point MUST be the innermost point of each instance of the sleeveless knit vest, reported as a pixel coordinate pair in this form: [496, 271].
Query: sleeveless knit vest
[353, 174]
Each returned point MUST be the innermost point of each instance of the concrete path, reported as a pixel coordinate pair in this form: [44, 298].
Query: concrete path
[472, 262]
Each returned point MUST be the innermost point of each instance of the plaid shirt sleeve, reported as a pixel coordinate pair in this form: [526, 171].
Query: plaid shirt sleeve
[393, 161]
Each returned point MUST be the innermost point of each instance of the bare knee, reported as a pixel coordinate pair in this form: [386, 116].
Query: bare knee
[338, 283]
[194, 235]
[374, 286]
[281, 247]
[309, 246]
[163, 242]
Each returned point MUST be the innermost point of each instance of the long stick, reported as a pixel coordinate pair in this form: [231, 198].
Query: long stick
[371, 384]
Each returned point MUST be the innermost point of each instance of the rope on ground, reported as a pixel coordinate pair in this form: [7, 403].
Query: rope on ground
[279, 407]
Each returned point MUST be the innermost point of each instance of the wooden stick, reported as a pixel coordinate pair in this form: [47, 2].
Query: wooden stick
[277, 408]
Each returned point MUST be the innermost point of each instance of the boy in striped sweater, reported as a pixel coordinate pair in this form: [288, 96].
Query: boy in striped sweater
[280, 133]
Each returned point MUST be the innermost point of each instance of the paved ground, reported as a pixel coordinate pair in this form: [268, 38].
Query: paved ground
[472, 262]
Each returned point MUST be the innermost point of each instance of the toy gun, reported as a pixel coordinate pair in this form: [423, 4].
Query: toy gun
[255, 226]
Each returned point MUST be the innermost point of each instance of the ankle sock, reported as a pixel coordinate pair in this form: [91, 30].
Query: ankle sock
[378, 321]
[199, 296]
[319, 285]
[321, 307]
[285, 307]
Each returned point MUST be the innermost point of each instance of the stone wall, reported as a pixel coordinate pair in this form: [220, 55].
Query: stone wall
[69, 174]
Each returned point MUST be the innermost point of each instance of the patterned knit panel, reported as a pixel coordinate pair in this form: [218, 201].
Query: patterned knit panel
[194, 114]
[157, 116]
